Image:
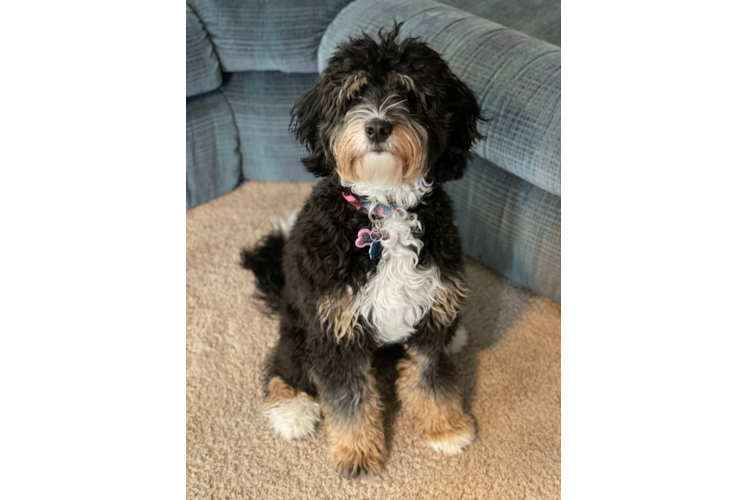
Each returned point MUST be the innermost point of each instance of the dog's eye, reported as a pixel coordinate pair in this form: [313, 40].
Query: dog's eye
[359, 98]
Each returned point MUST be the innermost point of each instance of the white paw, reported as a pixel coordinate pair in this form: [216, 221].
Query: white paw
[295, 417]
[455, 444]
[458, 341]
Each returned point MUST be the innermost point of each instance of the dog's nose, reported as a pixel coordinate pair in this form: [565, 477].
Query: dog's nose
[378, 130]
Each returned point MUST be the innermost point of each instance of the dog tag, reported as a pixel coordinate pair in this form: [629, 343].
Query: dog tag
[375, 250]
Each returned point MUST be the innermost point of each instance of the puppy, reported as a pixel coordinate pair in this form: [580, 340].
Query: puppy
[373, 258]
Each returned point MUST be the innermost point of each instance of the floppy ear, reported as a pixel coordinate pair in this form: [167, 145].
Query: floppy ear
[305, 120]
[463, 131]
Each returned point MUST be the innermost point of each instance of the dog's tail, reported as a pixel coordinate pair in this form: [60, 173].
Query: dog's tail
[266, 262]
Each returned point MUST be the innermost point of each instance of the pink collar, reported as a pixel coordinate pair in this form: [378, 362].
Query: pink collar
[381, 210]
[352, 200]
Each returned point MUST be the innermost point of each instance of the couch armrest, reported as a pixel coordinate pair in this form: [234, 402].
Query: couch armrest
[516, 78]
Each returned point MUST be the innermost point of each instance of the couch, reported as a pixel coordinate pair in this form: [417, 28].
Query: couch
[248, 62]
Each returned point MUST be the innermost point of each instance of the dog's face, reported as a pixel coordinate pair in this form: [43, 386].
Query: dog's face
[387, 113]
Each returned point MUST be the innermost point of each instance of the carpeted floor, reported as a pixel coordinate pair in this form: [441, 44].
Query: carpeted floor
[510, 373]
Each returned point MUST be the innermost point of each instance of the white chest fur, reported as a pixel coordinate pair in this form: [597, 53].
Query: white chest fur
[399, 293]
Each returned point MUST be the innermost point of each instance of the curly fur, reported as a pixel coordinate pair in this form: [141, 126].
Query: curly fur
[337, 306]
[435, 98]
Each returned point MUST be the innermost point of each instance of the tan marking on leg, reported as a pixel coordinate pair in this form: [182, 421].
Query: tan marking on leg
[335, 316]
[279, 390]
[438, 417]
[448, 301]
[292, 412]
[357, 446]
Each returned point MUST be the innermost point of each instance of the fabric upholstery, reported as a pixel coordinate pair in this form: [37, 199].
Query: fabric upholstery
[262, 103]
[213, 161]
[538, 18]
[516, 78]
[510, 225]
[203, 69]
[265, 34]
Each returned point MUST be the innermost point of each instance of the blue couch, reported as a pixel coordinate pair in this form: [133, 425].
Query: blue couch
[248, 62]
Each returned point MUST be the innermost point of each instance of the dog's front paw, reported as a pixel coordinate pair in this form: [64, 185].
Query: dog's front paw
[454, 439]
[357, 461]
[357, 450]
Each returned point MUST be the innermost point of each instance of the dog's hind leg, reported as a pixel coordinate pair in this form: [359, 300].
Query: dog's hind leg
[291, 405]
[431, 398]
[427, 388]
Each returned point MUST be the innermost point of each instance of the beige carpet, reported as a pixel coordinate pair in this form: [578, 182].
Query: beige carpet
[510, 373]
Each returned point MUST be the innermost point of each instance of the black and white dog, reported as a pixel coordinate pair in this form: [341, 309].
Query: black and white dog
[373, 258]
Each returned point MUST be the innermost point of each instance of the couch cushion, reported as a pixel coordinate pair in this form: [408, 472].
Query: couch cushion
[516, 78]
[203, 70]
[538, 18]
[510, 225]
[267, 35]
[213, 162]
[262, 103]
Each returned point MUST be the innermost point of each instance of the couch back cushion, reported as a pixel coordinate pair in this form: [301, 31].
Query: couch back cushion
[538, 18]
[267, 34]
[261, 102]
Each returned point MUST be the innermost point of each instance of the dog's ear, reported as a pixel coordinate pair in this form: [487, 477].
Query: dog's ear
[306, 117]
[463, 131]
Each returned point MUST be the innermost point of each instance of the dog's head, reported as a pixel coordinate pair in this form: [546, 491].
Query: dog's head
[388, 113]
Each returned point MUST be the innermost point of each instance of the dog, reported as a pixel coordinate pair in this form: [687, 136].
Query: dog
[373, 258]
